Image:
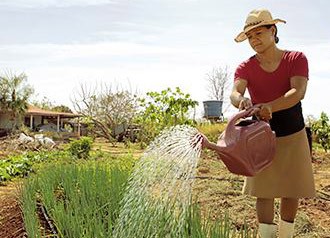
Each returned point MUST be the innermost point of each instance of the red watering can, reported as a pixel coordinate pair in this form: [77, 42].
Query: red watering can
[246, 147]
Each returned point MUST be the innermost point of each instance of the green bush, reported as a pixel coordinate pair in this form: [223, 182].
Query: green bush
[80, 148]
[321, 128]
[160, 110]
[14, 167]
[21, 165]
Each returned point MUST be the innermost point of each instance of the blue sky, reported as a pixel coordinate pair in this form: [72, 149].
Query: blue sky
[151, 45]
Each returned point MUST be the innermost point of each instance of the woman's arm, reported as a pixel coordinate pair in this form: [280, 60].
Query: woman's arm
[237, 96]
[291, 97]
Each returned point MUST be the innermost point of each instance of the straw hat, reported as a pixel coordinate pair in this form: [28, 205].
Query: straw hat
[256, 18]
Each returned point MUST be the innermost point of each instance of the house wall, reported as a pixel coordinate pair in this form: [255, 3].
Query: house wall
[36, 120]
[6, 121]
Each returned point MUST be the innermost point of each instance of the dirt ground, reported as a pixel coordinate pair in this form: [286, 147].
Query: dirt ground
[11, 221]
[218, 192]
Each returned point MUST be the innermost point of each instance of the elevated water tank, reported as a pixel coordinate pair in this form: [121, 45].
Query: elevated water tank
[213, 109]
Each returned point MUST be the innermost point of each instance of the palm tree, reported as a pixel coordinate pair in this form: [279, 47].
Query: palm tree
[14, 95]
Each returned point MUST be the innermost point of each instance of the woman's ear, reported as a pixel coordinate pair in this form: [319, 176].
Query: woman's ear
[274, 30]
[274, 33]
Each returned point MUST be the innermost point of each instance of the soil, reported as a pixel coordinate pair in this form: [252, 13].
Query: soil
[218, 192]
[11, 220]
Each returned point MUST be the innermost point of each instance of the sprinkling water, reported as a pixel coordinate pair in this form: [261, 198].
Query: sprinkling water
[159, 189]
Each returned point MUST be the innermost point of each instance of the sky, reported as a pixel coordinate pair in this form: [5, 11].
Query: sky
[150, 45]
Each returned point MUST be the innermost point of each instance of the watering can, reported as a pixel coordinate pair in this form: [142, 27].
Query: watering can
[248, 146]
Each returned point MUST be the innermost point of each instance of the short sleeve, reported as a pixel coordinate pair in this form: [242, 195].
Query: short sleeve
[241, 72]
[299, 65]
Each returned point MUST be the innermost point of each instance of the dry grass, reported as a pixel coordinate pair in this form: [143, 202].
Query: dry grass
[218, 191]
[119, 149]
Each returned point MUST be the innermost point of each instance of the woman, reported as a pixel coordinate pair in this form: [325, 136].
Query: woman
[276, 80]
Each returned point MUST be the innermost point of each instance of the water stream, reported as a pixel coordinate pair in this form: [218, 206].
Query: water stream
[159, 190]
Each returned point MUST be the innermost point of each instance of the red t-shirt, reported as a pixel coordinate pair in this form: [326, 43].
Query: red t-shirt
[264, 86]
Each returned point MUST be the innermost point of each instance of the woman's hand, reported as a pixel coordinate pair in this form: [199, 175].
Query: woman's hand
[265, 112]
[244, 103]
[202, 140]
[205, 142]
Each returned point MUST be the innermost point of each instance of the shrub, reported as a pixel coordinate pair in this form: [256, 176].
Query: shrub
[160, 110]
[21, 165]
[80, 148]
[321, 128]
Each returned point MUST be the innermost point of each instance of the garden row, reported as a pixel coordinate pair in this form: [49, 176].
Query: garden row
[77, 192]
[84, 200]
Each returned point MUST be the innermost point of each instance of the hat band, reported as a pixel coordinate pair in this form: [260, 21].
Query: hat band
[252, 24]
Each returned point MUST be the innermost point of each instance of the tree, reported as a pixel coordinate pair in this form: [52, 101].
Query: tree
[46, 104]
[108, 111]
[61, 108]
[163, 109]
[14, 95]
[218, 82]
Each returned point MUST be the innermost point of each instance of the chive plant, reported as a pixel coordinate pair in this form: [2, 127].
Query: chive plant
[97, 199]
[82, 200]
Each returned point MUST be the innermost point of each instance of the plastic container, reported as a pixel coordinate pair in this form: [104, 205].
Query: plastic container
[212, 109]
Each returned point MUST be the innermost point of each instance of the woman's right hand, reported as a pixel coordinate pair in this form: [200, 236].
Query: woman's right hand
[244, 103]
[201, 138]
[205, 143]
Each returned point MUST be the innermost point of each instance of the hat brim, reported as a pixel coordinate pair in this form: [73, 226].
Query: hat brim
[242, 36]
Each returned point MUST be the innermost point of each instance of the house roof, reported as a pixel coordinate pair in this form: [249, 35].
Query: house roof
[33, 110]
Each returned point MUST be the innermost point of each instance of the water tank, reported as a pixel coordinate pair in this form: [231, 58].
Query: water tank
[212, 109]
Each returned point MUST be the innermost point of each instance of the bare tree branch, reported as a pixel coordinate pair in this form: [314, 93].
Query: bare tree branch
[105, 107]
[218, 82]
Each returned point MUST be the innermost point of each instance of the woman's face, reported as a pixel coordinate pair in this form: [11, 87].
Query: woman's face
[261, 38]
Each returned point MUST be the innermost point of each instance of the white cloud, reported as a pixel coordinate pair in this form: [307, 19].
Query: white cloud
[51, 3]
[154, 44]
[106, 54]
[58, 52]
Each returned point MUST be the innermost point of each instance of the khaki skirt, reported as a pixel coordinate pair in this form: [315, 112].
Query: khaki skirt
[290, 175]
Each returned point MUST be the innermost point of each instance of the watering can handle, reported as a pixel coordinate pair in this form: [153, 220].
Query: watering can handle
[242, 114]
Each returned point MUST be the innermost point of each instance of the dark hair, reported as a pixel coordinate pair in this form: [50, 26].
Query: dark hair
[276, 37]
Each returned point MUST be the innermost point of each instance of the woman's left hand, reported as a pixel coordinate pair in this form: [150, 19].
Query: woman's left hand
[265, 112]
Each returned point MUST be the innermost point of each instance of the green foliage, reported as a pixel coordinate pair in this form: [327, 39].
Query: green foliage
[81, 199]
[43, 103]
[14, 92]
[13, 167]
[75, 198]
[222, 227]
[22, 165]
[62, 108]
[46, 104]
[163, 109]
[14, 95]
[80, 148]
[321, 128]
